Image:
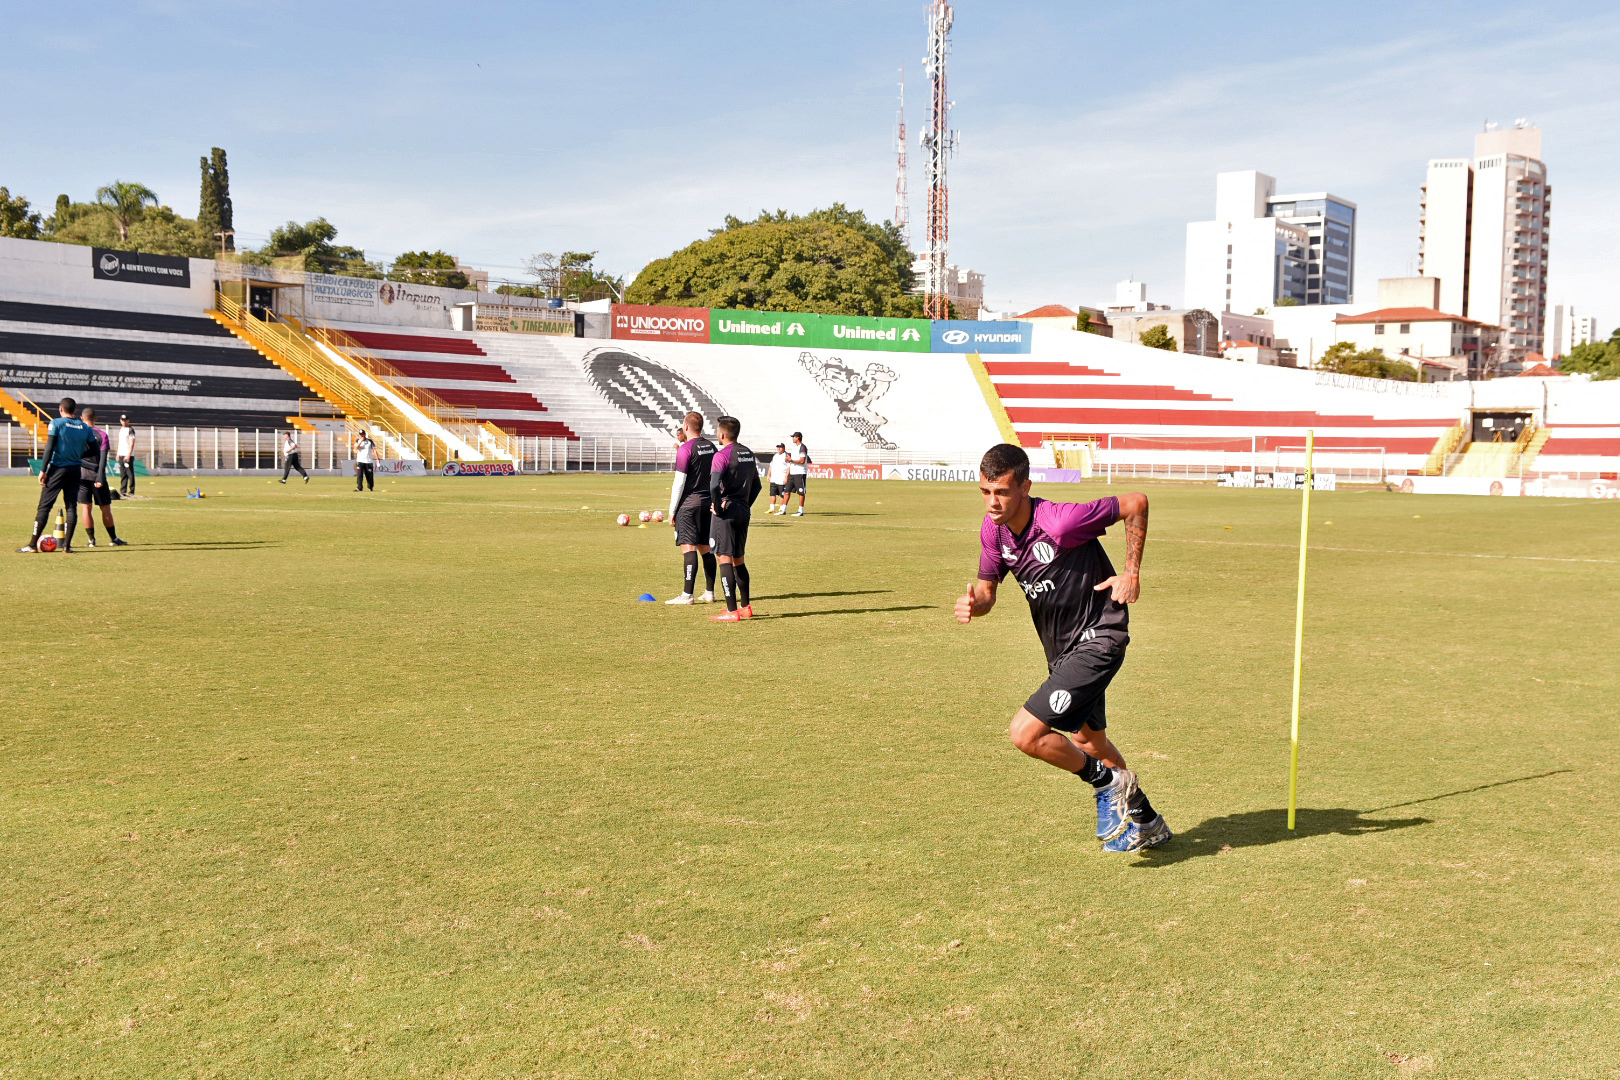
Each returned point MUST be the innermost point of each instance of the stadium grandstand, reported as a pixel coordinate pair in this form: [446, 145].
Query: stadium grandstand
[213, 358]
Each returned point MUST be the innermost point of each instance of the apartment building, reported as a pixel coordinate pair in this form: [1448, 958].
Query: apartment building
[1263, 247]
[1483, 232]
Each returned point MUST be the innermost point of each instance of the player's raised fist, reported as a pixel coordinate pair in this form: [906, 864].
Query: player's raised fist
[964, 607]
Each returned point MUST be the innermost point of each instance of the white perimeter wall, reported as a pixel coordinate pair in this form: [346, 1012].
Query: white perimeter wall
[32, 271]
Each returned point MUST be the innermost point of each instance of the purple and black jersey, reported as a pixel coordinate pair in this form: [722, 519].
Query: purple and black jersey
[1058, 562]
[734, 481]
[692, 460]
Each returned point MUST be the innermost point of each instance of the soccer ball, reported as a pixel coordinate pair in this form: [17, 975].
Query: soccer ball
[646, 515]
[658, 515]
[624, 519]
[47, 543]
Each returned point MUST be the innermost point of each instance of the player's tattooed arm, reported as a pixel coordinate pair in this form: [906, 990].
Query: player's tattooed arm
[1127, 586]
[978, 600]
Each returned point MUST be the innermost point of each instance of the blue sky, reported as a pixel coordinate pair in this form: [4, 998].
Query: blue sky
[1090, 133]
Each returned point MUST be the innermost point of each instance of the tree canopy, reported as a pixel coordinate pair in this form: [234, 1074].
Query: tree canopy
[831, 262]
[126, 202]
[214, 213]
[1600, 359]
[428, 268]
[310, 245]
[1345, 359]
[1158, 336]
[573, 275]
[16, 219]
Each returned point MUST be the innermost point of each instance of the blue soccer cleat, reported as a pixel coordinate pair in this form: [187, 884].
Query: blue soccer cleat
[1113, 807]
[1139, 837]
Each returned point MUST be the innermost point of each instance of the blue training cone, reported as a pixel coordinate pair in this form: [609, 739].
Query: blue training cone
[646, 596]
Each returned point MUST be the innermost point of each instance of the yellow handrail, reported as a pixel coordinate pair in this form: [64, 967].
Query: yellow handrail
[291, 350]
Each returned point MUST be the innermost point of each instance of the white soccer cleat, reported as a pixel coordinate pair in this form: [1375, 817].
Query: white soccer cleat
[799, 512]
[684, 598]
[706, 598]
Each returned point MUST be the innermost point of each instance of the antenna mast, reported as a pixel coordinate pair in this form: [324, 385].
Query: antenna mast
[939, 141]
[902, 195]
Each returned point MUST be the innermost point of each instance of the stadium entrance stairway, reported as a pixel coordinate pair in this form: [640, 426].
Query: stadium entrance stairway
[344, 382]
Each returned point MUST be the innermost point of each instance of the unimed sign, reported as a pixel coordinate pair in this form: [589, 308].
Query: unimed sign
[642, 322]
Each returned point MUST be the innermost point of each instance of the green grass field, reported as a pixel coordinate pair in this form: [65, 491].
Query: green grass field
[310, 784]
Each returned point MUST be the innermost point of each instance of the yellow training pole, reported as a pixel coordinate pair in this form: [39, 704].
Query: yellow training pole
[1299, 627]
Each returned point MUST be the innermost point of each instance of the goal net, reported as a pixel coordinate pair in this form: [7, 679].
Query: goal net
[1177, 457]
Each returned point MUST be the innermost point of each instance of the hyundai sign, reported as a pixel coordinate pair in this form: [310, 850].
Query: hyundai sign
[965, 336]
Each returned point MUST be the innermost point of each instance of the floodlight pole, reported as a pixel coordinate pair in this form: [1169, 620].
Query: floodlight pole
[1299, 628]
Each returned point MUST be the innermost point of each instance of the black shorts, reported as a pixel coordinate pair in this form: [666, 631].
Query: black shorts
[729, 536]
[776, 489]
[89, 493]
[1072, 695]
[795, 483]
[692, 523]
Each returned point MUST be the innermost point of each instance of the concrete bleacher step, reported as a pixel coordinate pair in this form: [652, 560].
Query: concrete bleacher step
[551, 371]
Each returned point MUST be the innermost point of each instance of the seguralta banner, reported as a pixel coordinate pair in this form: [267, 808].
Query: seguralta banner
[804, 330]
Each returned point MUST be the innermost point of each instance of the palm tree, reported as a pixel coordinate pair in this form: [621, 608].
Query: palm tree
[126, 202]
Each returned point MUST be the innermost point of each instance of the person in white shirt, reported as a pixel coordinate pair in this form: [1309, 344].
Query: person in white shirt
[798, 472]
[290, 457]
[779, 475]
[126, 456]
[364, 449]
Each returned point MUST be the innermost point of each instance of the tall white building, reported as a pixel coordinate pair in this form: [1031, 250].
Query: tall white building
[1483, 233]
[1263, 247]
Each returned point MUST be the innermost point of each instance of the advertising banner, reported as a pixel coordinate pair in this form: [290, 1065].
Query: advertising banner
[966, 336]
[480, 468]
[844, 472]
[648, 323]
[758, 328]
[860, 332]
[968, 475]
[139, 268]
[390, 467]
[797, 329]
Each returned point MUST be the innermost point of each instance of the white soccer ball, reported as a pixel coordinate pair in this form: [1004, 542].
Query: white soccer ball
[646, 515]
[658, 515]
[624, 519]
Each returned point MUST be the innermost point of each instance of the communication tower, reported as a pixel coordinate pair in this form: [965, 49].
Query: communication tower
[938, 142]
[902, 194]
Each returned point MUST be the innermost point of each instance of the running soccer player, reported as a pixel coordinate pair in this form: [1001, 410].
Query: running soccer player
[798, 472]
[733, 487]
[779, 475]
[93, 489]
[689, 509]
[292, 459]
[59, 466]
[1077, 602]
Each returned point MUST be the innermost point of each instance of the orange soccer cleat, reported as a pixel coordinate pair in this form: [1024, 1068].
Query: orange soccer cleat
[746, 611]
[728, 616]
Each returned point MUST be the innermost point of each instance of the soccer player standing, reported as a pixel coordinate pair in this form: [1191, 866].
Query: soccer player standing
[364, 450]
[59, 466]
[779, 475]
[689, 509]
[798, 472]
[126, 456]
[93, 489]
[1078, 604]
[733, 487]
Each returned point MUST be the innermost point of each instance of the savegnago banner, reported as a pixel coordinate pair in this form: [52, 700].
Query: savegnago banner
[796, 329]
[480, 468]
